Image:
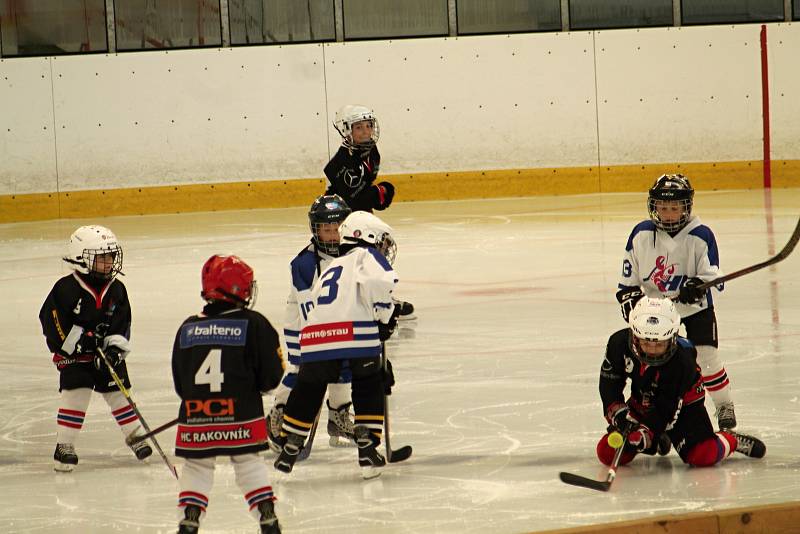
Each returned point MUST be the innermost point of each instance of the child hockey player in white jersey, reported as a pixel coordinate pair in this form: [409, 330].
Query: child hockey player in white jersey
[669, 255]
[353, 313]
[324, 217]
[223, 360]
[84, 311]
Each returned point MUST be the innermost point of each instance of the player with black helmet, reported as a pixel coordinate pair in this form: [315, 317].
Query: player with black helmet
[670, 255]
[87, 310]
[666, 392]
[223, 360]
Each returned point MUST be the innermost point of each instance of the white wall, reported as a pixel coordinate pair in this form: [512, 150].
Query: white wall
[689, 94]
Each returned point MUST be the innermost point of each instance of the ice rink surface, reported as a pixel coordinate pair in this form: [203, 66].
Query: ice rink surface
[497, 378]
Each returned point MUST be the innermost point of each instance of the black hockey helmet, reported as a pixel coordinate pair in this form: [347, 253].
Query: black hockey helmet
[668, 188]
[327, 209]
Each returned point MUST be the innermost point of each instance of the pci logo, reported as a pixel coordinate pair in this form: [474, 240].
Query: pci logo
[209, 407]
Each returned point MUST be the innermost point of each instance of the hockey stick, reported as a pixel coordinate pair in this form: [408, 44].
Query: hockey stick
[599, 485]
[132, 404]
[305, 452]
[134, 439]
[403, 453]
[780, 256]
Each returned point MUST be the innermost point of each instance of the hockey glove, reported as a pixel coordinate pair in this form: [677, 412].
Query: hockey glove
[388, 378]
[627, 299]
[384, 193]
[88, 343]
[385, 330]
[641, 438]
[114, 355]
[621, 418]
[690, 294]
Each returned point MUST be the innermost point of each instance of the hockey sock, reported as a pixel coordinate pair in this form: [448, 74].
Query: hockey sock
[715, 378]
[368, 402]
[72, 413]
[126, 418]
[338, 395]
[197, 478]
[605, 453]
[711, 451]
[252, 478]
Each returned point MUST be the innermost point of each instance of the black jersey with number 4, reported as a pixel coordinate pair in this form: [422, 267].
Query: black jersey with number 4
[221, 364]
[351, 176]
[657, 392]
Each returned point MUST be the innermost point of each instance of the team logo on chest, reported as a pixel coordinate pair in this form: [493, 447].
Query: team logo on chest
[661, 275]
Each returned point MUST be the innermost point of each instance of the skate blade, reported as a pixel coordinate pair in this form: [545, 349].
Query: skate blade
[370, 472]
[63, 468]
[343, 443]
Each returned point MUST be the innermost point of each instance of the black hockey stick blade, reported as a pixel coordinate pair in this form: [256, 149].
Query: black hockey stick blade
[780, 256]
[577, 480]
[400, 455]
[305, 452]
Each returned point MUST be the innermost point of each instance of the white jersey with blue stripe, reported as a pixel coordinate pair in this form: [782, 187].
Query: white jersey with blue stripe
[350, 296]
[661, 264]
[299, 303]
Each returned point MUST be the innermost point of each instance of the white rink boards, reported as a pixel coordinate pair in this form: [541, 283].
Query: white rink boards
[497, 379]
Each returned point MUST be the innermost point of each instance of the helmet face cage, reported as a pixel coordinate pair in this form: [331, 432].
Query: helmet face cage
[89, 242]
[229, 279]
[387, 246]
[654, 319]
[350, 115]
[671, 188]
[327, 209]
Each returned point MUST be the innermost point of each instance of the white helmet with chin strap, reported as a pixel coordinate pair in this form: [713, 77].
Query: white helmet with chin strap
[654, 319]
[349, 115]
[88, 242]
[362, 227]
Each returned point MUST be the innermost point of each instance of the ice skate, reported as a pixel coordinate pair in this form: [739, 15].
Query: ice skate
[749, 446]
[726, 417]
[405, 310]
[370, 460]
[340, 425]
[65, 457]
[268, 520]
[190, 524]
[274, 422]
[288, 456]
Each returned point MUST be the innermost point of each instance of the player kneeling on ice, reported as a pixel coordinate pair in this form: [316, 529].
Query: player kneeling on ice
[223, 360]
[352, 314]
[667, 393]
[86, 311]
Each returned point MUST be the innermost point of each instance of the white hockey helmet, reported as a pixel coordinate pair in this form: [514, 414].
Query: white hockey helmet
[350, 114]
[654, 319]
[88, 242]
[362, 227]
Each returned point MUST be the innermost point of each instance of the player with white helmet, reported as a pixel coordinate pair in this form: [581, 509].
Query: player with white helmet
[325, 216]
[669, 255]
[666, 392]
[87, 310]
[353, 313]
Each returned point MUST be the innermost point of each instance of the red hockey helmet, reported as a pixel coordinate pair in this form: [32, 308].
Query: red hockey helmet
[227, 278]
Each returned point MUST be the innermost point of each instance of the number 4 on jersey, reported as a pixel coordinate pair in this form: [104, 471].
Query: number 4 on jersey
[210, 371]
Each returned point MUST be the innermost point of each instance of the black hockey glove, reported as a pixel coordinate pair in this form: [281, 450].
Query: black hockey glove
[88, 343]
[620, 417]
[627, 299]
[385, 330]
[384, 194]
[690, 294]
[388, 378]
[114, 355]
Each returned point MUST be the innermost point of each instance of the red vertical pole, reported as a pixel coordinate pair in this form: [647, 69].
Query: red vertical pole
[765, 107]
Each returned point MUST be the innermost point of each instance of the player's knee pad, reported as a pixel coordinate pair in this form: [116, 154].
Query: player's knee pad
[708, 359]
[605, 453]
[711, 451]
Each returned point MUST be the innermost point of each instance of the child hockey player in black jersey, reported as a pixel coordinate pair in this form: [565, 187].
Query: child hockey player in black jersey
[352, 315]
[353, 170]
[669, 255]
[86, 310]
[223, 360]
[324, 217]
[667, 392]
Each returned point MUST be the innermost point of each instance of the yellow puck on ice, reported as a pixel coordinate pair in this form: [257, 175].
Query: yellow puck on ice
[615, 440]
